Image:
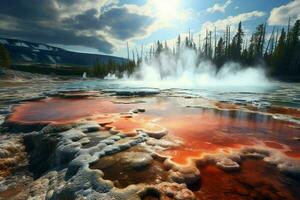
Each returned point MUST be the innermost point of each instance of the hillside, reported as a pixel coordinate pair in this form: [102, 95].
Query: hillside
[24, 52]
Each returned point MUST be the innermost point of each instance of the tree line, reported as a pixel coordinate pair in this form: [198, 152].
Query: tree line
[279, 51]
[117, 68]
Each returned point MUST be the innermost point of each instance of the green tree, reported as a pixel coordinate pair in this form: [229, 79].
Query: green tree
[236, 45]
[159, 48]
[279, 54]
[293, 50]
[295, 33]
[257, 43]
[220, 53]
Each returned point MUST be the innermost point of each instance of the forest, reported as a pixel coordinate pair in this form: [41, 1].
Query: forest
[278, 51]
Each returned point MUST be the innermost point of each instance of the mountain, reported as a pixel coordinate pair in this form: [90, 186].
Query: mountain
[24, 52]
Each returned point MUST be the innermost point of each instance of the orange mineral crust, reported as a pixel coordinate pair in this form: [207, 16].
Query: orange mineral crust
[293, 154]
[61, 110]
[256, 180]
[130, 125]
[274, 145]
[182, 156]
[201, 134]
[202, 131]
[212, 132]
[285, 111]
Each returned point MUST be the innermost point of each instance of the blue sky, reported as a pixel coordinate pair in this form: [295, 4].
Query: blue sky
[202, 11]
[105, 26]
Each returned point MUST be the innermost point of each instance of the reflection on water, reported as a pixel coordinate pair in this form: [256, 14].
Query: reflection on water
[256, 180]
[206, 130]
[62, 110]
[130, 125]
[280, 94]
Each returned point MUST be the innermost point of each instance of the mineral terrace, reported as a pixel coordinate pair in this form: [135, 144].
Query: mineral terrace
[143, 144]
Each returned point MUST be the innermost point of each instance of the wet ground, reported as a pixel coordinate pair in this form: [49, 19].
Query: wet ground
[70, 139]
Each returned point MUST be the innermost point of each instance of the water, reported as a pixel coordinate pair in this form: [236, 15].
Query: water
[277, 93]
[255, 127]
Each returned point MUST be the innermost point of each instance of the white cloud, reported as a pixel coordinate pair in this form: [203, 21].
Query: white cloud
[231, 20]
[281, 15]
[164, 17]
[219, 8]
[220, 26]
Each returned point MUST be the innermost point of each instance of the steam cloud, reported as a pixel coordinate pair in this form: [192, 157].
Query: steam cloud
[187, 72]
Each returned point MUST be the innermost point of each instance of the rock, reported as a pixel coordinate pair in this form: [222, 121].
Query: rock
[73, 134]
[55, 128]
[156, 135]
[290, 168]
[76, 163]
[175, 191]
[66, 153]
[228, 165]
[4, 153]
[296, 138]
[84, 141]
[39, 188]
[83, 180]
[124, 146]
[12, 154]
[165, 143]
[130, 192]
[115, 137]
[139, 110]
[254, 153]
[89, 127]
[108, 141]
[137, 159]
[167, 190]
[108, 150]
[185, 174]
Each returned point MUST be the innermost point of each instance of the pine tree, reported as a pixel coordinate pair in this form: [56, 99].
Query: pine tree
[293, 50]
[220, 53]
[159, 48]
[236, 45]
[178, 45]
[257, 42]
[295, 33]
[279, 54]
[186, 42]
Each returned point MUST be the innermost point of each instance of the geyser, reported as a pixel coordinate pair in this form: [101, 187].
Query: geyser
[185, 70]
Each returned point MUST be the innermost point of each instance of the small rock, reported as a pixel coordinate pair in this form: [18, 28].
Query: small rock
[137, 159]
[175, 191]
[228, 165]
[185, 174]
[296, 138]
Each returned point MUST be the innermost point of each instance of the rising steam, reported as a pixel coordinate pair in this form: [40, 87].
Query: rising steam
[186, 71]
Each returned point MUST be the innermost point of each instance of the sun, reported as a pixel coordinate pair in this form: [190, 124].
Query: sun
[166, 10]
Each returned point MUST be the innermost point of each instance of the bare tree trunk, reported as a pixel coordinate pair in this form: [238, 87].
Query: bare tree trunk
[127, 51]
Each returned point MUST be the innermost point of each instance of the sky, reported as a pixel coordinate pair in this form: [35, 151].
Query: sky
[106, 26]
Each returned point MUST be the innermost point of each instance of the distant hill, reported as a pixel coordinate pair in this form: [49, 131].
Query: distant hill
[24, 52]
